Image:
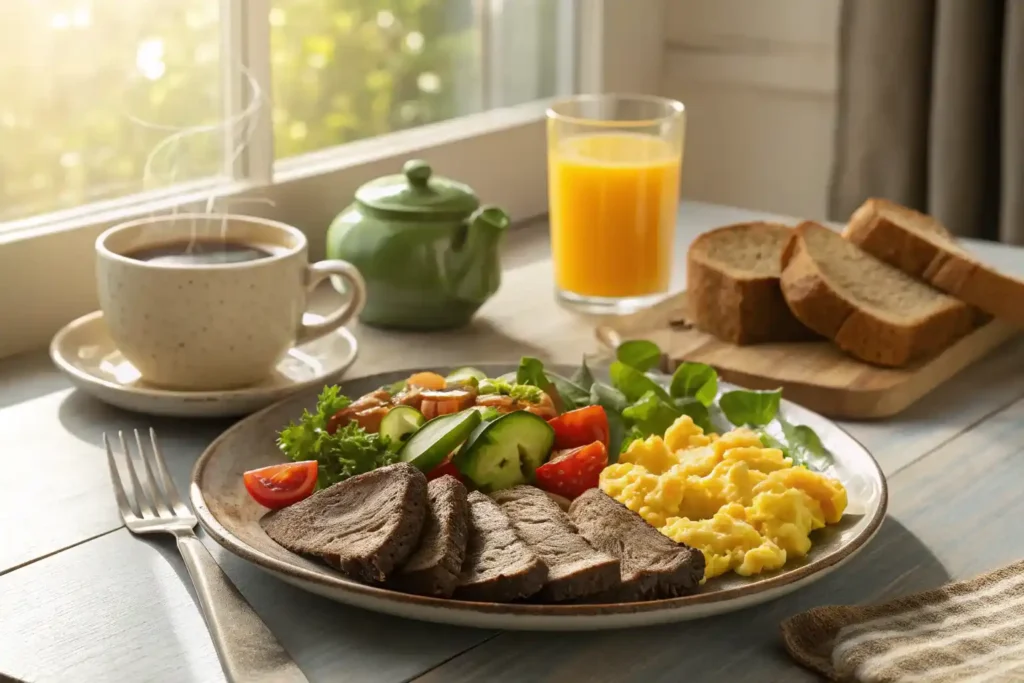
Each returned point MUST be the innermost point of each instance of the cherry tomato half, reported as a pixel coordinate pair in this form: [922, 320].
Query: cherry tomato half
[569, 473]
[445, 468]
[279, 486]
[580, 427]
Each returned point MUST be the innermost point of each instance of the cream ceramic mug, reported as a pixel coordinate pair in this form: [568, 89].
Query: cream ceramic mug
[209, 301]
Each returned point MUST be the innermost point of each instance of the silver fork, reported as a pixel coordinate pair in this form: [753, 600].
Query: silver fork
[150, 504]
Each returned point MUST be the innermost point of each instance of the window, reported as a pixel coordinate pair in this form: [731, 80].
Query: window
[88, 90]
[357, 86]
[104, 99]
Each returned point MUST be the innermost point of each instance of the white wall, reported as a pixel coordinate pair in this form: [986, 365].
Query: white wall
[758, 78]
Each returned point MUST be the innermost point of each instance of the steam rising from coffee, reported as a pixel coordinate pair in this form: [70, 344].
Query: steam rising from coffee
[173, 149]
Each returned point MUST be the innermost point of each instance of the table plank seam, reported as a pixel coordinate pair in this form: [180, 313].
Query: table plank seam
[83, 541]
[967, 429]
[458, 654]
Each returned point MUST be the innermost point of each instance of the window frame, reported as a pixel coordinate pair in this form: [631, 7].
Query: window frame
[47, 263]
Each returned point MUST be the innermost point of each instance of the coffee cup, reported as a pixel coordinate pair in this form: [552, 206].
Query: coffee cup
[200, 302]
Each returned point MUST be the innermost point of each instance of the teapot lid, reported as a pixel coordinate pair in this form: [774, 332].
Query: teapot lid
[415, 191]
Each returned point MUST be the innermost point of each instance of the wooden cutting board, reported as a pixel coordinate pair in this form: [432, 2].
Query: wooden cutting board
[814, 374]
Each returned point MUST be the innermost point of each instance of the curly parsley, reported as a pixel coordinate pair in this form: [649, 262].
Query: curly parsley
[348, 452]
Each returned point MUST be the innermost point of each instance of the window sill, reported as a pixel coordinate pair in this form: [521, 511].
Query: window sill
[46, 271]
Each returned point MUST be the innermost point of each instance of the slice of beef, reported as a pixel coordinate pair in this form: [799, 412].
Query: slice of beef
[365, 526]
[575, 569]
[498, 567]
[435, 565]
[653, 566]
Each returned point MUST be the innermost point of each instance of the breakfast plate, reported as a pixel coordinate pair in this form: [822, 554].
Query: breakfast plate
[232, 518]
[84, 351]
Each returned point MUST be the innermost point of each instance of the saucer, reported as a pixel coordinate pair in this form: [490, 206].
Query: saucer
[84, 351]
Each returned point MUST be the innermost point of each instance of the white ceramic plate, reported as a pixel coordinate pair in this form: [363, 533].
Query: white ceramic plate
[84, 351]
[232, 519]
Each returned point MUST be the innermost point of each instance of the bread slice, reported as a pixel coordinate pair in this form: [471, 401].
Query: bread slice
[871, 310]
[732, 284]
[920, 246]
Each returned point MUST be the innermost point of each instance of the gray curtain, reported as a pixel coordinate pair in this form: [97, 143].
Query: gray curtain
[931, 112]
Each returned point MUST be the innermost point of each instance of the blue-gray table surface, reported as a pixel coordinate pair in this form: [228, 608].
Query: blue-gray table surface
[82, 600]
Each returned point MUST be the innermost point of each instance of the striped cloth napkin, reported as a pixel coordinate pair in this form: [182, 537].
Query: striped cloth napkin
[967, 631]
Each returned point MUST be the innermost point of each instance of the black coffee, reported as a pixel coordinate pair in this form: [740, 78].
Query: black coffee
[200, 253]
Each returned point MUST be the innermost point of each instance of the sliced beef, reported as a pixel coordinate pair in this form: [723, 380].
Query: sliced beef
[652, 565]
[498, 567]
[365, 526]
[575, 569]
[435, 565]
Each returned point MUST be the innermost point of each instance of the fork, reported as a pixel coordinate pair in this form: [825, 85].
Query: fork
[150, 504]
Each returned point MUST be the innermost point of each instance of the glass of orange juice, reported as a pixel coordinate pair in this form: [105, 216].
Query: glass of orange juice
[614, 165]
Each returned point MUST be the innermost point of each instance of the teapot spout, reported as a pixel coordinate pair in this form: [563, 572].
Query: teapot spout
[487, 225]
[474, 258]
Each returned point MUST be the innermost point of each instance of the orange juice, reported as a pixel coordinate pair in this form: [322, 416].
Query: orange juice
[613, 201]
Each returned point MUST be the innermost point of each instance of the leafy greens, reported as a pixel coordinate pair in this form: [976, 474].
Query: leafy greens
[638, 404]
[351, 450]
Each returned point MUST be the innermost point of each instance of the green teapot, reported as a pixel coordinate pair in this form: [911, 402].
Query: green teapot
[426, 248]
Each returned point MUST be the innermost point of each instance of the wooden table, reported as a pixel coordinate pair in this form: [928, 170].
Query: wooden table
[82, 600]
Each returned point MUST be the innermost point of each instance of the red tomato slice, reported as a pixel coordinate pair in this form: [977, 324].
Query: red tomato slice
[570, 473]
[279, 486]
[580, 427]
[447, 467]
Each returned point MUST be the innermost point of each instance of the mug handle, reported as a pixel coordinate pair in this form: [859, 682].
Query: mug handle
[354, 283]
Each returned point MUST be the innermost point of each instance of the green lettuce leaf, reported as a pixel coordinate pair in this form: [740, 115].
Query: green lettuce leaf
[583, 378]
[640, 354]
[613, 402]
[573, 395]
[805, 446]
[651, 414]
[633, 383]
[695, 380]
[753, 408]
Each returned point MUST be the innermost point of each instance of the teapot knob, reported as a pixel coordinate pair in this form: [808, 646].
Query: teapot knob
[417, 172]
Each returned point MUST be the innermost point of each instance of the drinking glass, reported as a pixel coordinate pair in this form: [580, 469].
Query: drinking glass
[614, 165]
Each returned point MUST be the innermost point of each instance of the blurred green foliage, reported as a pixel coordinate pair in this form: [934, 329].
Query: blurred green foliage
[90, 88]
[349, 69]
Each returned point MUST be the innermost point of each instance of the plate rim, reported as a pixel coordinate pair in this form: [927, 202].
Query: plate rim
[556, 612]
[73, 371]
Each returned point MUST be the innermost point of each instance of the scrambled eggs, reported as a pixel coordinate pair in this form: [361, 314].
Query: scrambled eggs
[746, 507]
